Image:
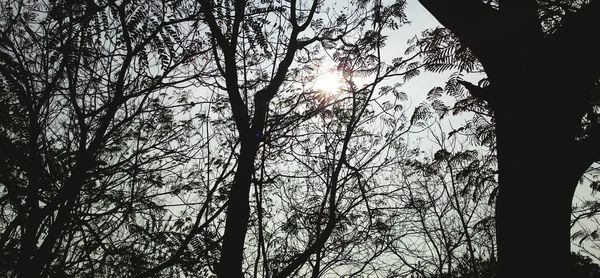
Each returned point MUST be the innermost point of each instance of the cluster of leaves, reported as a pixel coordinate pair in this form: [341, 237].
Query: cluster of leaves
[441, 51]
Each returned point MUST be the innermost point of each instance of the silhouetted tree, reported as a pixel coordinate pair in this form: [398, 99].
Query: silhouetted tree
[232, 24]
[449, 199]
[255, 44]
[325, 201]
[184, 138]
[543, 112]
[89, 136]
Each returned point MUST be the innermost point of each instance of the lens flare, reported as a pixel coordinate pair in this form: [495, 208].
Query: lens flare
[329, 83]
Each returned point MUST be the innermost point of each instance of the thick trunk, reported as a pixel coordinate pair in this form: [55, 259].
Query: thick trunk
[538, 175]
[238, 209]
[238, 212]
[533, 216]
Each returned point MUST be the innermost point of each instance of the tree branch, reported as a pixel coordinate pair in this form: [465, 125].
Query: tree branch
[477, 25]
[238, 107]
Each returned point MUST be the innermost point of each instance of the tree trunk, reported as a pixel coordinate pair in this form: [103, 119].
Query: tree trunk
[238, 213]
[538, 174]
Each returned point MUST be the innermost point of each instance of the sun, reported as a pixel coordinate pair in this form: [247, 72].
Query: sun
[329, 82]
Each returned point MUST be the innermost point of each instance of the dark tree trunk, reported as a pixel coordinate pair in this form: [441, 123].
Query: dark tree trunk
[538, 174]
[238, 210]
[31, 224]
[250, 128]
[238, 213]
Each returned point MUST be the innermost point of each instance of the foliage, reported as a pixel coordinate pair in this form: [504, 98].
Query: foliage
[136, 134]
[87, 170]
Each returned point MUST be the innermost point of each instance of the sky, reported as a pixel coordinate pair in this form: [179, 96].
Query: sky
[418, 87]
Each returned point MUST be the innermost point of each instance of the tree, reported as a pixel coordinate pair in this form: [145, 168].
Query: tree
[169, 138]
[89, 134]
[255, 44]
[325, 182]
[543, 148]
[449, 199]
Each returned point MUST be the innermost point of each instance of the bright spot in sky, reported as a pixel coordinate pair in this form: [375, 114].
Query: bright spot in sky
[329, 82]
